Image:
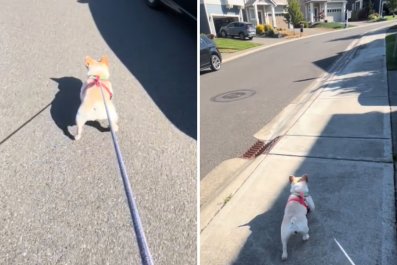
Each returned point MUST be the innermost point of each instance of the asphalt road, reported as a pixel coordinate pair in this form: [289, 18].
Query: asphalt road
[241, 98]
[63, 202]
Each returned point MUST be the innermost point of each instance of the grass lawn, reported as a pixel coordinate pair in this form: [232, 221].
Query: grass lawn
[385, 18]
[390, 49]
[230, 45]
[330, 25]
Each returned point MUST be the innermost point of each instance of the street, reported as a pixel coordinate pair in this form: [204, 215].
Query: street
[263, 84]
[62, 201]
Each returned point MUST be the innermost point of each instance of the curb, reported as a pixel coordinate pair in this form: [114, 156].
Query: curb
[223, 192]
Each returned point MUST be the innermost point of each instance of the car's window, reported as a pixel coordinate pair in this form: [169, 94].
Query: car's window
[203, 43]
[231, 25]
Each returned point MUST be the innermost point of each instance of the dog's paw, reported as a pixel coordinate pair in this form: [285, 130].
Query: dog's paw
[77, 137]
[284, 256]
[305, 237]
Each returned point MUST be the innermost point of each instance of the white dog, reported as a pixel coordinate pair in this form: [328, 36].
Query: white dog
[92, 107]
[298, 205]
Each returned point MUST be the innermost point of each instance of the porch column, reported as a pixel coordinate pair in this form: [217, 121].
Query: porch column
[241, 14]
[256, 14]
[306, 15]
[247, 13]
[274, 17]
[343, 11]
[325, 10]
[311, 13]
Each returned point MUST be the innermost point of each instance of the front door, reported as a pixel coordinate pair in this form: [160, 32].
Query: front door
[316, 14]
[260, 16]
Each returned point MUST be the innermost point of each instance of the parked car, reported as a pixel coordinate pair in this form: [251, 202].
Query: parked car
[210, 56]
[239, 29]
[187, 7]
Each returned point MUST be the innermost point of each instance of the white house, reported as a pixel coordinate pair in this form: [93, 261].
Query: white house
[216, 13]
[266, 12]
[357, 5]
[321, 10]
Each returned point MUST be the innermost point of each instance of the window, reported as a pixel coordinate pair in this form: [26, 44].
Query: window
[252, 13]
[334, 10]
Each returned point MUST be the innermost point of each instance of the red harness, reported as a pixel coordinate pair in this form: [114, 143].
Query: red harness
[301, 200]
[98, 83]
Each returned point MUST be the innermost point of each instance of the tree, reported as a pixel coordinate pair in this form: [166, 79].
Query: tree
[295, 15]
[392, 6]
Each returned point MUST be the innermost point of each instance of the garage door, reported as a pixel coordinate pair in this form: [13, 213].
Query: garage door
[335, 13]
[222, 21]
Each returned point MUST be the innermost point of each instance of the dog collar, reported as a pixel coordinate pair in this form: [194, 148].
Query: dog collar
[96, 77]
[299, 194]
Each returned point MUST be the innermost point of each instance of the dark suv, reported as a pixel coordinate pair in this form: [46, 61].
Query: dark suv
[240, 29]
[209, 54]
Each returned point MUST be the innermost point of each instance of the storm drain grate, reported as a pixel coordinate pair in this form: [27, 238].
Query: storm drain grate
[260, 147]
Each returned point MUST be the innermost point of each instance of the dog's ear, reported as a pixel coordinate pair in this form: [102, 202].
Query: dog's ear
[305, 178]
[105, 60]
[291, 179]
[88, 61]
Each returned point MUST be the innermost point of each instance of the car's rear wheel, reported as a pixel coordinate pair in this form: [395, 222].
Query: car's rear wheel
[215, 62]
[223, 34]
[242, 36]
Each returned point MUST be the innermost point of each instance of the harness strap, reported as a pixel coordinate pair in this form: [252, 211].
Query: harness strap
[301, 200]
[98, 83]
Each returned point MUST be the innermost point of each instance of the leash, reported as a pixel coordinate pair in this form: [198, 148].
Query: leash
[144, 251]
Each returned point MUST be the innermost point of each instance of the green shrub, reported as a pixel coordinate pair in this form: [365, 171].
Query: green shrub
[260, 29]
[305, 24]
[268, 27]
[272, 33]
[373, 16]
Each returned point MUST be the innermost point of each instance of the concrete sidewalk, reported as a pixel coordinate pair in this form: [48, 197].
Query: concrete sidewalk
[343, 142]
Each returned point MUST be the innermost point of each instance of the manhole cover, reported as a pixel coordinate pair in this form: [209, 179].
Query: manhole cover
[234, 95]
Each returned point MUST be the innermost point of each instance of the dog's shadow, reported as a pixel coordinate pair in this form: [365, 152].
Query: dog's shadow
[66, 103]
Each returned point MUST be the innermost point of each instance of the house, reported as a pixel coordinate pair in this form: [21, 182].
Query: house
[216, 13]
[323, 10]
[266, 12]
[357, 5]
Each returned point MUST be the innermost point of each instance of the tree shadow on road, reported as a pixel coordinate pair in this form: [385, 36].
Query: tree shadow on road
[159, 49]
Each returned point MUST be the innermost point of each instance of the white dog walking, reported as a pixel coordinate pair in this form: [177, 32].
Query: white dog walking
[298, 205]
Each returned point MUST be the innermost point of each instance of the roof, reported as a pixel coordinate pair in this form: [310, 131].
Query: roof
[276, 2]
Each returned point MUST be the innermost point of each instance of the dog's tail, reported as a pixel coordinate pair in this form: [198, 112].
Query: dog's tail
[293, 226]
